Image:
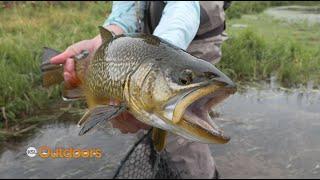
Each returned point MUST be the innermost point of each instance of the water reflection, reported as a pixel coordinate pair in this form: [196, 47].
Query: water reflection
[310, 14]
[63, 133]
[275, 134]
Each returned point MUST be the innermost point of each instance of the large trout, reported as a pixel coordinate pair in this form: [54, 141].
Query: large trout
[158, 83]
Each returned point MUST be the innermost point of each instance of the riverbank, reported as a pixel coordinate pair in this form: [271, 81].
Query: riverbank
[261, 47]
[24, 30]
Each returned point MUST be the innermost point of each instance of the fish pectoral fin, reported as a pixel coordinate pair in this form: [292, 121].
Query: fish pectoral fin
[97, 115]
[159, 138]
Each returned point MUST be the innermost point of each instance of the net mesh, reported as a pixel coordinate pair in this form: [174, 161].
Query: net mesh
[143, 162]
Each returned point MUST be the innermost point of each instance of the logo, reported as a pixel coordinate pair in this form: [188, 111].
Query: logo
[32, 152]
[46, 152]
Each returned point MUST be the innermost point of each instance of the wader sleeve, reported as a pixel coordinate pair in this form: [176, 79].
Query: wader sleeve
[193, 160]
[208, 41]
[123, 14]
[179, 22]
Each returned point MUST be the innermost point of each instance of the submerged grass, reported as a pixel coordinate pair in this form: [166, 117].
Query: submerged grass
[266, 47]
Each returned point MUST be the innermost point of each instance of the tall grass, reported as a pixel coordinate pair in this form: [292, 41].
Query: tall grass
[269, 47]
[237, 9]
[249, 57]
[24, 30]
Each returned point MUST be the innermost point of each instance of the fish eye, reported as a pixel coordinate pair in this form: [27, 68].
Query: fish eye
[186, 77]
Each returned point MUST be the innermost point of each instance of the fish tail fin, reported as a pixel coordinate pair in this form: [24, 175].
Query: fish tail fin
[51, 73]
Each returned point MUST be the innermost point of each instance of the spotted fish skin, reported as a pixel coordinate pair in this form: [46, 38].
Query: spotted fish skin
[115, 61]
[156, 82]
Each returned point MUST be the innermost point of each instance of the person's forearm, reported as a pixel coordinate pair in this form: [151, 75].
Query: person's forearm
[123, 15]
[117, 30]
[179, 22]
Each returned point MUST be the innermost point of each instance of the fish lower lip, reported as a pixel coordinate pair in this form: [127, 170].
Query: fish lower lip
[198, 112]
[190, 98]
[195, 110]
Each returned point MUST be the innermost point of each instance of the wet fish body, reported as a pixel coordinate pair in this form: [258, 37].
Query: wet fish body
[160, 84]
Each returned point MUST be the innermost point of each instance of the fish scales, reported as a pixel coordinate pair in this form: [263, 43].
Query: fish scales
[159, 84]
[109, 68]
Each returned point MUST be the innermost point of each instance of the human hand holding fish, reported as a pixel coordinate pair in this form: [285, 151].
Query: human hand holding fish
[125, 122]
[90, 45]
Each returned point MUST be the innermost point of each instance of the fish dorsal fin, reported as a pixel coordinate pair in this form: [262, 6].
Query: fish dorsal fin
[106, 35]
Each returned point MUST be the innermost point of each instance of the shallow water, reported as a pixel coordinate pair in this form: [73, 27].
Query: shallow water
[14, 162]
[275, 134]
[309, 14]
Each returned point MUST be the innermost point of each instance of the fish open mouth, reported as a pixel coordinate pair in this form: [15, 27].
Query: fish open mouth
[191, 111]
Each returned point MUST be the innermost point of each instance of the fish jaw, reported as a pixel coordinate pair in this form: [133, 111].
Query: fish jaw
[185, 114]
[194, 122]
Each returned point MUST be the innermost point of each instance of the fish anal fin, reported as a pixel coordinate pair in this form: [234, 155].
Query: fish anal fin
[159, 138]
[72, 93]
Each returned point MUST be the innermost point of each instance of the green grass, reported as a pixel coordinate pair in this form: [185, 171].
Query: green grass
[24, 30]
[237, 9]
[267, 46]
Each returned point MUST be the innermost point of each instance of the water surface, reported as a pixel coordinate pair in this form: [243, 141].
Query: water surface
[275, 134]
[309, 14]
